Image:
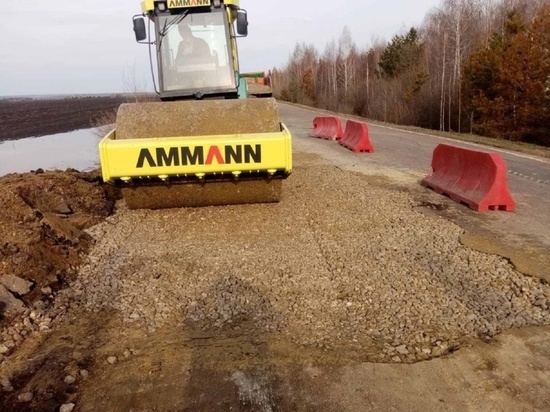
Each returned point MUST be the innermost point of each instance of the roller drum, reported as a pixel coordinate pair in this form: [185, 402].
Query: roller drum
[199, 118]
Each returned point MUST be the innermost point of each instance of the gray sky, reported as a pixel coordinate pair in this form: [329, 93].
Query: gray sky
[89, 46]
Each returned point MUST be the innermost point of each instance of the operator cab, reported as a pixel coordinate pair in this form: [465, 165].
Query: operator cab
[196, 52]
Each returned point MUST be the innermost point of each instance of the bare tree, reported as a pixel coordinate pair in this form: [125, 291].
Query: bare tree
[383, 81]
[346, 59]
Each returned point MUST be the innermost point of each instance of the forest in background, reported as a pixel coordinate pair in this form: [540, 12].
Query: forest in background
[472, 66]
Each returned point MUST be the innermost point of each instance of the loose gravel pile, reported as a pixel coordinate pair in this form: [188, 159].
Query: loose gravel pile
[339, 263]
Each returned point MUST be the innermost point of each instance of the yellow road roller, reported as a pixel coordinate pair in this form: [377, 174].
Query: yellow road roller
[204, 143]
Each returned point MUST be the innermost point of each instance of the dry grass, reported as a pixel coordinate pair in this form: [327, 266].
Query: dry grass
[105, 121]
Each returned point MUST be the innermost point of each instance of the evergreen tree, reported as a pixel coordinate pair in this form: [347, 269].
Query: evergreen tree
[507, 82]
[403, 53]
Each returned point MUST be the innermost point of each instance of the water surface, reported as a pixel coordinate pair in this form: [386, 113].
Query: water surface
[77, 149]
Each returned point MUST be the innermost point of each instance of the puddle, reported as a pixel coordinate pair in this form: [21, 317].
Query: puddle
[77, 149]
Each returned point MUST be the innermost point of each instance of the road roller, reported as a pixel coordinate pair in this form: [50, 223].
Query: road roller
[204, 142]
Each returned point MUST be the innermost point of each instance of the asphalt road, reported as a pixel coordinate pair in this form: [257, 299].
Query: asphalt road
[410, 154]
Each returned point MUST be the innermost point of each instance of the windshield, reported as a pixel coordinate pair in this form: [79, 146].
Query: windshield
[195, 53]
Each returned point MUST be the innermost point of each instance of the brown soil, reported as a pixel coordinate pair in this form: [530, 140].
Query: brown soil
[42, 222]
[20, 118]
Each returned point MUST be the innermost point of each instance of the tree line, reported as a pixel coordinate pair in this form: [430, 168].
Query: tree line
[472, 66]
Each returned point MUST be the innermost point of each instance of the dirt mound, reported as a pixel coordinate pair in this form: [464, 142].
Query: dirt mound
[41, 231]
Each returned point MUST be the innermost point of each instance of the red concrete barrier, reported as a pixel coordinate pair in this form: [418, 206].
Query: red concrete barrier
[476, 179]
[329, 128]
[356, 138]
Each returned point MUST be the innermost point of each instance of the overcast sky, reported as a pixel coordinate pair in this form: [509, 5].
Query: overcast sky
[79, 46]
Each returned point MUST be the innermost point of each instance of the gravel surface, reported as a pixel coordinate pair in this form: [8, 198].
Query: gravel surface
[340, 263]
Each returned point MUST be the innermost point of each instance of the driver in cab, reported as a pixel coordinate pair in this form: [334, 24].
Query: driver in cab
[192, 47]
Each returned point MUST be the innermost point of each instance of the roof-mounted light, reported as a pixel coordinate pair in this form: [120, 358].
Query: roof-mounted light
[161, 6]
[217, 4]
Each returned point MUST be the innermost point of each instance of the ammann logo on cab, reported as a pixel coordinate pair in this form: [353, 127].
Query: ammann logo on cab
[188, 3]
